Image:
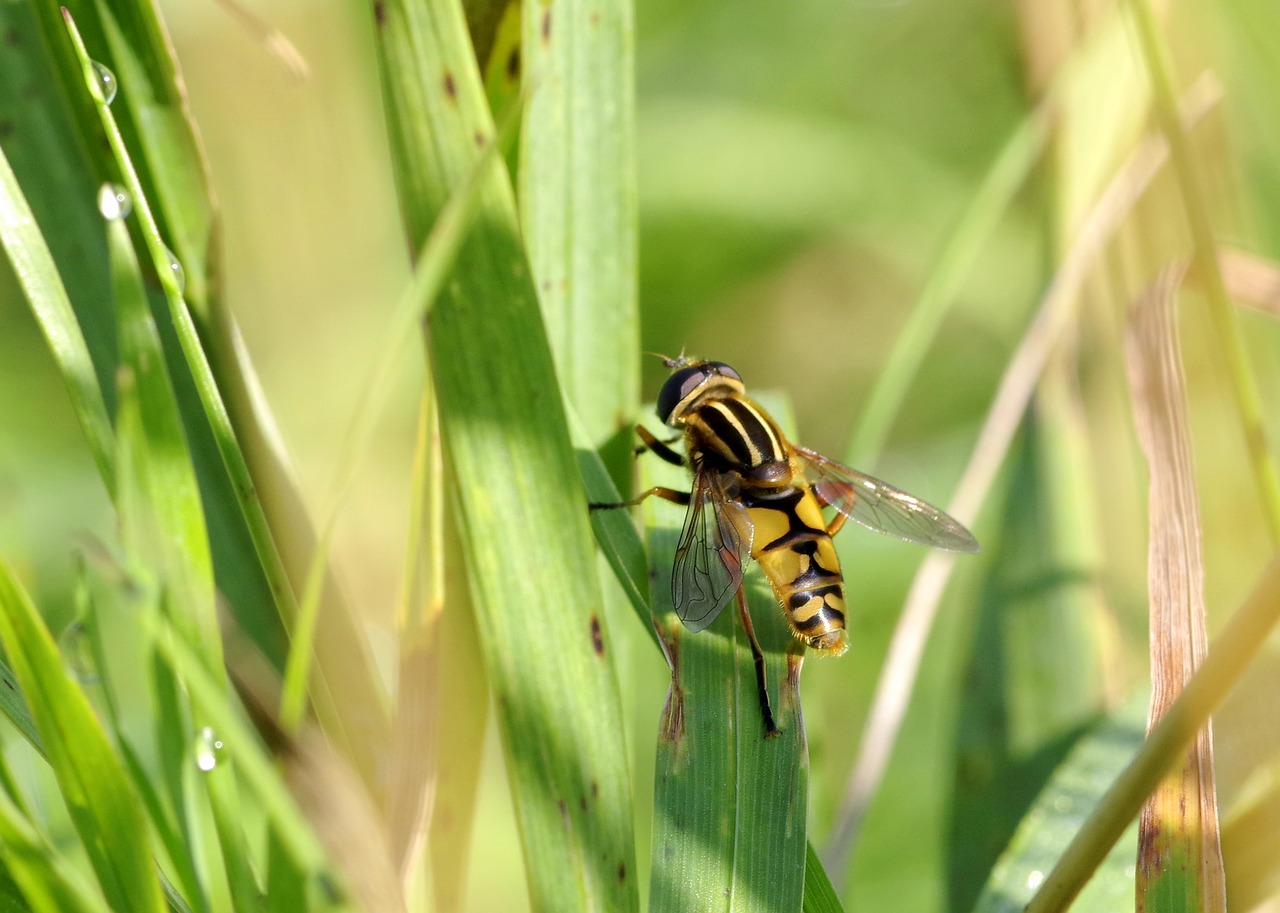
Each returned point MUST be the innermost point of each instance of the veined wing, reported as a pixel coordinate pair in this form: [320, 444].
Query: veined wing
[715, 542]
[878, 505]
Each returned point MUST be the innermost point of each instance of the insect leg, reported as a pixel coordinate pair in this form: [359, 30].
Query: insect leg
[657, 447]
[770, 729]
[838, 521]
[666, 494]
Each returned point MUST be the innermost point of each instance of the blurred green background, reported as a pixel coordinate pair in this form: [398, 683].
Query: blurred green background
[802, 166]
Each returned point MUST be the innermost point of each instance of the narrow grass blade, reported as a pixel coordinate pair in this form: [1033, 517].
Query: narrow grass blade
[578, 200]
[1058, 812]
[414, 750]
[49, 883]
[463, 719]
[258, 777]
[819, 894]
[155, 123]
[1007, 173]
[99, 795]
[1180, 855]
[47, 298]
[614, 530]
[521, 513]
[352, 712]
[15, 709]
[1246, 399]
[730, 806]
[164, 532]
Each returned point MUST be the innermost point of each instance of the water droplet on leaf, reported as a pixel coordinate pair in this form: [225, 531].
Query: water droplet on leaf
[107, 84]
[114, 202]
[208, 749]
[176, 270]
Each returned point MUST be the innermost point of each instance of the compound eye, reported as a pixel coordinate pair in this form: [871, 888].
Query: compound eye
[678, 386]
[721, 368]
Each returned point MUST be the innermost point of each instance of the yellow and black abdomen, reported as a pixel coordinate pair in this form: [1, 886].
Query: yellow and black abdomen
[791, 545]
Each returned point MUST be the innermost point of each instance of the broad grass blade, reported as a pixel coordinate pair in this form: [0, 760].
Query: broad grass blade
[578, 200]
[520, 509]
[730, 806]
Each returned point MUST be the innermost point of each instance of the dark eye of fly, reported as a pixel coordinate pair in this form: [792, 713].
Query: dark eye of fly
[678, 386]
[685, 381]
[722, 368]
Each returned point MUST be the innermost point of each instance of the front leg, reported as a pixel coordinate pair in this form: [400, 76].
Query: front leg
[657, 447]
[666, 494]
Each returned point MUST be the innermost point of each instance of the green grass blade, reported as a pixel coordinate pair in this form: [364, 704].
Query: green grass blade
[47, 298]
[614, 530]
[521, 513]
[730, 806]
[1058, 812]
[15, 709]
[819, 894]
[578, 201]
[351, 712]
[163, 527]
[155, 123]
[260, 781]
[49, 883]
[99, 795]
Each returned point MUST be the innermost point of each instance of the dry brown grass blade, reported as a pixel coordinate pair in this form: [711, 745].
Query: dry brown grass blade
[1179, 849]
[413, 748]
[1251, 280]
[1056, 311]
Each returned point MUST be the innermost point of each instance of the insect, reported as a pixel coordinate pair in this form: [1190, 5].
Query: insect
[755, 494]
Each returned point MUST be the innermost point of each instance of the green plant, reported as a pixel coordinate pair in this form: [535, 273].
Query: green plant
[230, 727]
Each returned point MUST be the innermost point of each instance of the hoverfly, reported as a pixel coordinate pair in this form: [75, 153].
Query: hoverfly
[755, 494]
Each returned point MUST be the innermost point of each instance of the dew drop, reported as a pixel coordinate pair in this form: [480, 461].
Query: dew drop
[107, 84]
[78, 652]
[176, 270]
[208, 749]
[114, 202]
[1035, 879]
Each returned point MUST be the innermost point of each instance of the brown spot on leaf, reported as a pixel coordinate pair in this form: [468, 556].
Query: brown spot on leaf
[513, 63]
[546, 25]
[671, 724]
[380, 13]
[450, 87]
[622, 871]
[597, 636]
[480, 139]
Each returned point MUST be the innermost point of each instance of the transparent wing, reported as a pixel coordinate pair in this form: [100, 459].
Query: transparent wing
[715, 542]
[878, 505]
